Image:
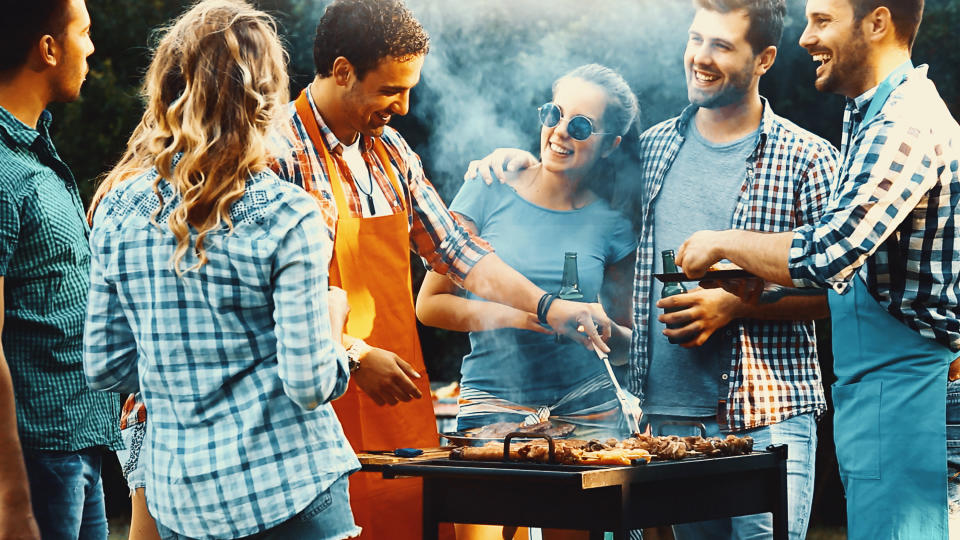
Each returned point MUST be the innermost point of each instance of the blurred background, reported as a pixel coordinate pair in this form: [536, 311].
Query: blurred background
[491, 64]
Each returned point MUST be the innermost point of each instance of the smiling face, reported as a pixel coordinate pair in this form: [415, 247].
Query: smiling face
[560, 152]
[75, 46]
[720, 64]
[384, 91]
[836, 41]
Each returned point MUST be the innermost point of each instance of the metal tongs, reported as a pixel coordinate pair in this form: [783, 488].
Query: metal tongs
[631, 412]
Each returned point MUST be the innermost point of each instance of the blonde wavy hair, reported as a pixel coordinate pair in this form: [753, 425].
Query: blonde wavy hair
[216, 85]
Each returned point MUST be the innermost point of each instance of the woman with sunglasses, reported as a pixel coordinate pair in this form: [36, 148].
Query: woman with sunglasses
[517, 371]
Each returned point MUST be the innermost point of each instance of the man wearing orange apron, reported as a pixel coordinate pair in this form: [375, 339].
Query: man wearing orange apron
[379, 205]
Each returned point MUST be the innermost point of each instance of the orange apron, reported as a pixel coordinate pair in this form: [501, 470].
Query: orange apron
[371, 262]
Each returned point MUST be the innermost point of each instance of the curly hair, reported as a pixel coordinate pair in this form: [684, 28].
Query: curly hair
[766, 19]
[366, 31]
[215, 87]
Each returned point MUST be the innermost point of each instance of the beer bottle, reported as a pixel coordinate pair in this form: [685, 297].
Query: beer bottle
[671, 288]
[570, 283]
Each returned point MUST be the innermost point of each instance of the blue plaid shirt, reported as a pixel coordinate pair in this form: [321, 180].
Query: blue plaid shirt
[235, 360]
[893, 218]
[774, 373]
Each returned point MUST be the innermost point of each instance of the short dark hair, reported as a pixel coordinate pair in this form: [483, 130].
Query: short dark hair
[906, 15]
[24, 22]
[766, 19]
[365, 32]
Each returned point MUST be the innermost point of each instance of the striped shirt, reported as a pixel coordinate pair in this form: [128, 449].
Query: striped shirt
[774, 373]
[435, 234]
[45, 262]
[235, 360]
[894, 219]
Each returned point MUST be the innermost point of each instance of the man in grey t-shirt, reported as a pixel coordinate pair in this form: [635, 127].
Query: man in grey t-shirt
[727, 161]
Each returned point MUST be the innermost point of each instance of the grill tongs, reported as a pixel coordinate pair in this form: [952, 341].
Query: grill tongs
[631, 412]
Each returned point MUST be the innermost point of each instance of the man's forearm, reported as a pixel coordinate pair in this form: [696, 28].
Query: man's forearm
[766, 255]
[493, 279]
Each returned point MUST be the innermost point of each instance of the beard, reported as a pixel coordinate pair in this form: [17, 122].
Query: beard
[734, 91]
[848, 71]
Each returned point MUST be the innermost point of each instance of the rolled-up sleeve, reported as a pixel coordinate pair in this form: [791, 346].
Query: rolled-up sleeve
[445, 246]
[889, 175]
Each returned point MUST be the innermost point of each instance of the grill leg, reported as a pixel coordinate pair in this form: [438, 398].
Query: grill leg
[430, 524]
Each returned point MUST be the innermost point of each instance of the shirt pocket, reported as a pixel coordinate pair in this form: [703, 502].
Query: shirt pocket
[857, 428]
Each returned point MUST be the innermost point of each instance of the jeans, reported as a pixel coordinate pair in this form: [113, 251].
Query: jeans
[328, 517]
[67, 494]
[799, 433]
[953, 456]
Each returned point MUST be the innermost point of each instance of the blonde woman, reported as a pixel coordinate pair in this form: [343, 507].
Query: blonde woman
[209, 296]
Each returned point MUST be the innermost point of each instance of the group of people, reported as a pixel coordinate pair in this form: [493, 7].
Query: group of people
[244, 273]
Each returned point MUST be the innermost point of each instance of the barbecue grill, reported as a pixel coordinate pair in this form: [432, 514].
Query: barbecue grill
[599, 498]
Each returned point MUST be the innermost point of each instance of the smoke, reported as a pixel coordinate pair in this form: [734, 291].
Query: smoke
[492, 63]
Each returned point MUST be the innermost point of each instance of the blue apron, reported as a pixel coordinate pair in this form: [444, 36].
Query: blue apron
[890, 406]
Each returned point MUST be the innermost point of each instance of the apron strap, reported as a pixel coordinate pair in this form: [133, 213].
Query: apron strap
[305, 111]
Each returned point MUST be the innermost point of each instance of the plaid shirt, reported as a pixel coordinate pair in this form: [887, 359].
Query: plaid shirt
[234, 360]
[445, 246]
[774, 373]
[894, 217]
[45, 263]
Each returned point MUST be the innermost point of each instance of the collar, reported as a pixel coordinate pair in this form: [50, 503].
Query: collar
[334, 145]
[21, 134]
[767, 122]
[861, 103]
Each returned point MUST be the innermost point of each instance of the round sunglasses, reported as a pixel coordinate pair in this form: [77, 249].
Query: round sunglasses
[579, 127]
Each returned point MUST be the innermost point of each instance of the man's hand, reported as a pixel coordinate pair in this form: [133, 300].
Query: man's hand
[385, 377]
[699, 252]
[954, 372]
[701, 313]
[17, 522]
[580, 322]
[499, 162]
[339, 308]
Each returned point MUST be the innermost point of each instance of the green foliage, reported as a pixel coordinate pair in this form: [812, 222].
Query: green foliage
[491, 64]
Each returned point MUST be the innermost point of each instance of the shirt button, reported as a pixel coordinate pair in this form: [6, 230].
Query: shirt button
[724, 377]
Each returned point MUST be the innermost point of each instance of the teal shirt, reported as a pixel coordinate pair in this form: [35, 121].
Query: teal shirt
[45, 262]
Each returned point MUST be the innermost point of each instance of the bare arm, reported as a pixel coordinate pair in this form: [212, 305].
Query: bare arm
[16, 514]
[496, 281]
[439, 305]
[766, 255]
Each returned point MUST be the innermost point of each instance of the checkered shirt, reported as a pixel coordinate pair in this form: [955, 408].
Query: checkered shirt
[894, 218]
[774, 373]
[440, 240]
[234, 361]
[45, 263]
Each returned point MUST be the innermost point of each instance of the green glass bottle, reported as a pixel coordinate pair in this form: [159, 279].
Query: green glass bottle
[570, 282]
[671, 288]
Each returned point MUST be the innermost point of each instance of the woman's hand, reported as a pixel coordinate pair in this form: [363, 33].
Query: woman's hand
[499, 162]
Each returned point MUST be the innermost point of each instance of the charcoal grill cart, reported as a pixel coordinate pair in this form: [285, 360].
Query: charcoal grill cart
[599, 498]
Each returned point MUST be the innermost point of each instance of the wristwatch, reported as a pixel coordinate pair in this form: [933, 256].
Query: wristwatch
[356, 351]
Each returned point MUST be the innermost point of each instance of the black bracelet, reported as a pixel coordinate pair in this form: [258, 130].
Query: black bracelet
[543, 306]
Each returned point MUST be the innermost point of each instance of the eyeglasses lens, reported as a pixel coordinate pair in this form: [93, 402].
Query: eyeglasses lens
[579, 127]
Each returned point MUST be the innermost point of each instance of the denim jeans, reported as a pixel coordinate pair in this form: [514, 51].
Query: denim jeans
[67, 494]
[799, 433]
[953, 456]
[328, 517]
